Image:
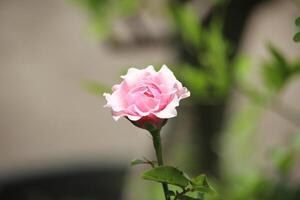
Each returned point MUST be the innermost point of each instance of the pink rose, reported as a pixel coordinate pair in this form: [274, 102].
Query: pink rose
[146, 97]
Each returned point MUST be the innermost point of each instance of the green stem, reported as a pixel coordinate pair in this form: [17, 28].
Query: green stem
[158, 151]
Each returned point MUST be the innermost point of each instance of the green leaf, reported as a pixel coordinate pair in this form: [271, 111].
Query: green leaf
[200, 184]
[276, 72]
[274, 79]
[297, 21]
[184, 197]
[200, 180]
[171, 193]
[94, 87]
[296, 37]
[278, 57]
[166, 174]
[296, 67]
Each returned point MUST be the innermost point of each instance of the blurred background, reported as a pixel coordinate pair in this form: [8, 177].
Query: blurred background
[241, 125]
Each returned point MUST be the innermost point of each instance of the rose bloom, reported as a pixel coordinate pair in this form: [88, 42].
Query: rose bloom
[146, 97]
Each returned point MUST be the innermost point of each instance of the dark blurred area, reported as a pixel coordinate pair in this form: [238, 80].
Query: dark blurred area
[83, 184]
[238, 59]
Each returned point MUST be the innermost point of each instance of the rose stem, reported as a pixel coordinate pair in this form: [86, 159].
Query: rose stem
[158, 150]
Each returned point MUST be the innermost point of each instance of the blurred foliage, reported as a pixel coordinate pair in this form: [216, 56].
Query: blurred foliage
[187, 23]
[211, 82]
[297, 35]
[252, 182]
[102, 13]
[284, 158]
[94, 87]
[212, 75]
[279, 71]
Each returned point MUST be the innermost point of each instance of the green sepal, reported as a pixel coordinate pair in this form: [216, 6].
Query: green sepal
[143, 162]
[137, 162]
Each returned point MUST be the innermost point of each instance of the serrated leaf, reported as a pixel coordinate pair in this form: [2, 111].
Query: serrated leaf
[200, 183]
[296, 37]
[200, 180]
[166, 174]
[297, 21]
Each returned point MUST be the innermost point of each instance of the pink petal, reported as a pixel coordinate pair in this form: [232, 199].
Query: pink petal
[135, 75]
[166, 77]
[170, 110]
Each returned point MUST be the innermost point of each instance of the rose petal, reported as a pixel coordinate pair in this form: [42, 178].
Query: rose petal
[135, 75]
[170, 110]
[130, 113]
[166, 76]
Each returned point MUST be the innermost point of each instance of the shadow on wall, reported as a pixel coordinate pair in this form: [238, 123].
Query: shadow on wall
[82, 184]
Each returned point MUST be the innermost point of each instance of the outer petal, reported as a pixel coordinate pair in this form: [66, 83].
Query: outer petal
[166, 77]
[185, 93]
[117, 100]
[114, 102]
[134, 118]
[170, 110]
[131, 115]
[135, 75]
[182, 92]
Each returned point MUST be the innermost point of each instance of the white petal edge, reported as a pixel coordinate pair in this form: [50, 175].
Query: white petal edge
[169, 111]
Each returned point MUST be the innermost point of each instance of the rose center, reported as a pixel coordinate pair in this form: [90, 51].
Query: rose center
[148, 93]
[151, 91]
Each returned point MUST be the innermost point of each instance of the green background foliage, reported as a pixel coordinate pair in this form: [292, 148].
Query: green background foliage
[212, 76]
